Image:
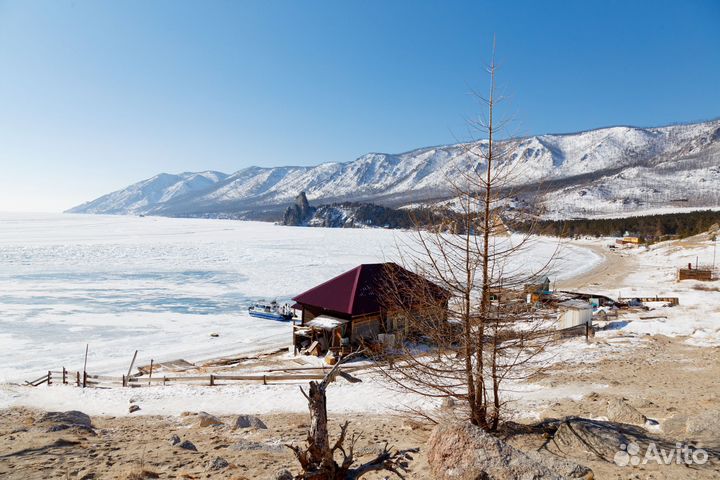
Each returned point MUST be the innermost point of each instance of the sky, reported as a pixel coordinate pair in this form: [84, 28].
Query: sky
[95, 95]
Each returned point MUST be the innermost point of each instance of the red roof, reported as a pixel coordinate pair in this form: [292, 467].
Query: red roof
[356, 292]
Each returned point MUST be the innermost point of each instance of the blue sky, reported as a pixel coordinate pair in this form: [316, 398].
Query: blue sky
[95, 95]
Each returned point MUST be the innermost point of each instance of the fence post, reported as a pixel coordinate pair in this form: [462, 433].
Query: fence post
[84, 379]
[124, 383]
[77, 378]
[49, 378]
[212, 380]
[64, 376]
[264, 380]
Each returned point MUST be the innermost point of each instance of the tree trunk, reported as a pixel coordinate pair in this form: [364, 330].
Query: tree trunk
[318, 439]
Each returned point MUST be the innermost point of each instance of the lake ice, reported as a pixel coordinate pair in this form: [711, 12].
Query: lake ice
[162, 285]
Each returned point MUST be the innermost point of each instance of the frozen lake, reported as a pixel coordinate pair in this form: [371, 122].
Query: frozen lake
[162, 285]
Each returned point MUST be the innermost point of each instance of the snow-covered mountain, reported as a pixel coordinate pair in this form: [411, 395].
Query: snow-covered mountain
[151, 194]
[597, 172]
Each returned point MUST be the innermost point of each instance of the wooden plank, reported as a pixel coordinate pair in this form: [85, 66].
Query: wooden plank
[131, 364]
[270, 378]
[105, 377]
[44, 377]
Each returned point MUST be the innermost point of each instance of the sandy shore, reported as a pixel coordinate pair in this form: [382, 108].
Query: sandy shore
[118, 447]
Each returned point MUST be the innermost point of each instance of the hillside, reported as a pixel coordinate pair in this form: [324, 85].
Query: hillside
[614, 170]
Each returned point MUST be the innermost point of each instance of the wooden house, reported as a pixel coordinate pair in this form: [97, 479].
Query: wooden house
[354, 307]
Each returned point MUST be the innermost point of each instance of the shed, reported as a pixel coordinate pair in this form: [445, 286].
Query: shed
[698, 273]
[574, 313]
[353, 305]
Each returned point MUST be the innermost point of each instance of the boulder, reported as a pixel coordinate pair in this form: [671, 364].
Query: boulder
[207, 420]
[63, 420]
[592, 439]
[71, 418]
[218, 463]
[174, 440]
[620, 411]
[250, 421]
[133, 408]
[187, 445]
[461, 451]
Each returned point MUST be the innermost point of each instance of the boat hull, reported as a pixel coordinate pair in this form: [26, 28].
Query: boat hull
[271, 316]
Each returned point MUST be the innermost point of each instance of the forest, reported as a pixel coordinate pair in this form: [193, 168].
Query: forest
[650, 227]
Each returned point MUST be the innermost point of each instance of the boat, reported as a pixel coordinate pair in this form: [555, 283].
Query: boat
[271, 311]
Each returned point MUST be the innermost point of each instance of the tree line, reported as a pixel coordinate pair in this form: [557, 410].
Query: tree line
[650, 227]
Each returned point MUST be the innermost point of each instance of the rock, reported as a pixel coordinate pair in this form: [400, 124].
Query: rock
[448, 403]
[71, 418]
[706, 425]
[565, 468]
[207, 420]
[245, 444]
[218, 463]
[174, 440]
[188, 445]
[592, 439]
[619, 410]
[298, 213]
[133, 408]
[461, 451]
[283, 474]
[250, 421]
[63, 420]
[214, 334]
[58, 428]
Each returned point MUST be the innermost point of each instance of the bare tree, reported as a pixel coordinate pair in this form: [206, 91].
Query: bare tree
[317, 459]
[488, 333]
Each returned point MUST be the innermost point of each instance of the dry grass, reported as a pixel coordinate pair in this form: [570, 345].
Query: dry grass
[140, 474]
[706, 288]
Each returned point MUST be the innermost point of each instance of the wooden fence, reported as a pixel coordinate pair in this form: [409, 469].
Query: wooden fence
[277, 376]
[671, 300]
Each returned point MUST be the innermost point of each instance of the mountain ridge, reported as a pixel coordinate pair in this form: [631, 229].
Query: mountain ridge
[665, 159]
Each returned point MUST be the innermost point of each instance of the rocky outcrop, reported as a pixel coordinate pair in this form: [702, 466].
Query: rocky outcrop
[359, 215]
[461, 451]
[299, 213]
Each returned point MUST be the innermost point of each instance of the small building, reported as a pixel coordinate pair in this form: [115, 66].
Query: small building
[356, 307]
[704, 274]
[574, 313]
[629, 241]
[537, 292]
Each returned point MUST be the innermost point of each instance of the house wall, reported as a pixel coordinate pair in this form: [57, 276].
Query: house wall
[366, 327]
[694, 274]
[573, 317]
